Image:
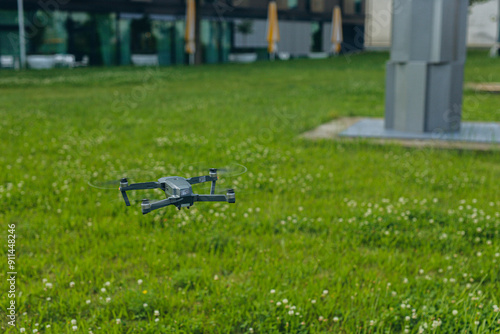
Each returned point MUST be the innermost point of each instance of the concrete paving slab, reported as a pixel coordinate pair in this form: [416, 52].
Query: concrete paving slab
[478, 132]
[487, 87]
[473, 135]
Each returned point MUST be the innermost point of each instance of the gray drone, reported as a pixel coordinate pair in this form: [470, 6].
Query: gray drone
[178, 191]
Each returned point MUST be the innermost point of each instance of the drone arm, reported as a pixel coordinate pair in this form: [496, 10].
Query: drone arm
[141, 186]
[230, 197]
[148, 207]
[201, 179]
[210, 198]
[124, 186]
[211, 177]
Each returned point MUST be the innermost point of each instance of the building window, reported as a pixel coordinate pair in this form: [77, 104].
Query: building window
[353, 7]
[142, 39]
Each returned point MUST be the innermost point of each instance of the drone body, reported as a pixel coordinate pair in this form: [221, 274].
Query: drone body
[178, 191]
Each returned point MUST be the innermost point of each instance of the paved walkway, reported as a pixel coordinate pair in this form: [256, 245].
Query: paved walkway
[473, 135]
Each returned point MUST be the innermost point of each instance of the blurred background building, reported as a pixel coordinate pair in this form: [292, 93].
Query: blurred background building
[121, 32]
[483, 25]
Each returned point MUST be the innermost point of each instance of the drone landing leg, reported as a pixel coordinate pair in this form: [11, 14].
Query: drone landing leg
[212, 188]
[213, 173]
[125, 198]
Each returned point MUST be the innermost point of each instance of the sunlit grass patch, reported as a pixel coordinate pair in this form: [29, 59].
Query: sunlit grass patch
[325, 235]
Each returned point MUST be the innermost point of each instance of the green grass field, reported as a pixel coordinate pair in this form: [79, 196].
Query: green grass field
[326, 236]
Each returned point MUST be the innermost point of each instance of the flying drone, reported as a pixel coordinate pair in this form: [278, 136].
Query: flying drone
[178, 191]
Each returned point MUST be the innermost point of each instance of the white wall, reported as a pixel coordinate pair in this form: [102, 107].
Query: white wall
[482, 26]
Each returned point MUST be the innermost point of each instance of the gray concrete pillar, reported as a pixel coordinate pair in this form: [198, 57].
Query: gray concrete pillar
[424, 79]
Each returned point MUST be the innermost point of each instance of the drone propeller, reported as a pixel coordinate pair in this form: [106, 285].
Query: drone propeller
[223, 170]
[110, 182]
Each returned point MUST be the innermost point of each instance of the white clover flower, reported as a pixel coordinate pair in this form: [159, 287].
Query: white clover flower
[216, 277]
[313, 301]
[48, 285]
[250, 330]
[421, 271]
[335, 319]
[479, 254]
[156, 313]
[476, 323]
[118, 321]
[290, 312]
[285, 301]
[22, 329]
[108, 300]
[88, 301]
[75, 328]
[103, 290]
[48, 299]
[107, 284]
[321, 318]
[273, 291]
[139, 281]
[407, 318]
[157, 319]
[48, 326]
[73, 321]
[145, 305]
[325, 292]
[436, 323]
[454, 312]
[278, 303]
[35, 330]
[405, 280]
[44, 280]
[71, 284]
[403, 305]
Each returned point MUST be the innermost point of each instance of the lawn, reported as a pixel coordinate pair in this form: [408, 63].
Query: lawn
[325, 236]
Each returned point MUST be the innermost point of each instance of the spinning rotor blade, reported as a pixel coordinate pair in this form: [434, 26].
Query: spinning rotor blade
[240, 187]
[111, 180]
[230, 176]
[202, 168]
